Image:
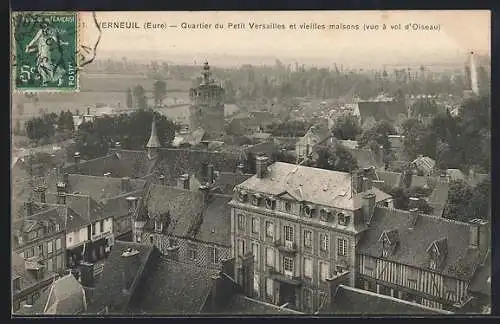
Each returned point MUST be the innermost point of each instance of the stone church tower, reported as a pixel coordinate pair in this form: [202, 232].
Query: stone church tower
[207, 105]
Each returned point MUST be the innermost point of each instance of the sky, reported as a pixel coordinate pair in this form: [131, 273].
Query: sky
[459, 32]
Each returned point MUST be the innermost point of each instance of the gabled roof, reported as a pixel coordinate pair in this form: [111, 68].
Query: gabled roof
[317, 186]
[109, 290]
[65, 296]
[354, 301]
[440, 246]
[173, 288]
[391, 235]
[461, 261]
[85, 206]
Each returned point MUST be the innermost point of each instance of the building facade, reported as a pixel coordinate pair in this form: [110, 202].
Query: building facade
[207, 105]
[301, 225]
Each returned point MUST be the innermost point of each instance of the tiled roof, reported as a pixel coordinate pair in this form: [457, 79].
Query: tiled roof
[85, 206]
[99, 166]
[65, 296]
[318, 186]
[354, 301]
[460, 261]
[109, 289]
[382, 110]
[49, 214]
[242, 305]
[174, 288]
[216, 225]
[226, 181]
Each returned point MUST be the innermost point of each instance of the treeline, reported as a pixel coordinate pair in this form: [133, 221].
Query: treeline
[94, 139]
[47, 125]
[136, 98]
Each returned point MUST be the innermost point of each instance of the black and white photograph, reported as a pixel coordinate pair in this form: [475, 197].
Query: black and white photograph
[251, 163]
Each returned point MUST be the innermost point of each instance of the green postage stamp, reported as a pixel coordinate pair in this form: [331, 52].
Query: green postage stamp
[44, 51]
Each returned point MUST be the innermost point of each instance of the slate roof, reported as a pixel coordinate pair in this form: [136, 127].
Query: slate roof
[84, 205]
[263, 148]
[99, 166]
[354, 301]
[109, 289]
[174, 288]
[317, 186]
[382, 110]
[460, 262]
[185, 209]
[65, 296]
[439, 198]
[242, 305]
[226, 181]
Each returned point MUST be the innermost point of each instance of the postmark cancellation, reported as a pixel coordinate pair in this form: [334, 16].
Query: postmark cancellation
[44, 51]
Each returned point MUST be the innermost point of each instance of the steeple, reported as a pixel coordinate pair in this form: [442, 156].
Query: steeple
[153, 142]
[206, 73]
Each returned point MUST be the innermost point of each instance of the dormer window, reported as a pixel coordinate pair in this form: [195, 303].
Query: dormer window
[343, 219]
[389, 240]
[242, 196]
[309, 210]
[437, 253]
[270, 203]
[288, 206]
[256, 200]
[325, 215]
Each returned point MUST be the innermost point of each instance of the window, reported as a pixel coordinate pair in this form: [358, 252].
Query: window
[158, 226]
[241, 247]
[270, 203]
[269, 229]
[214, 255]
[241, 222]
[324, 269]
[16, 285]
[50, 265]
[256, 283]
[255, 225]
[93, 228]
[58, 227]
[343, 219]
[308, 271]
[151, 239]
[242, 196]
[309, 211]
[270, 257]
[288, 265]
[307, 239]
[288, 206]
[323, 238]
[40, 250]
[412, 283]
[451, 295]
[255, 252]
[102, 225]
[59, 262]
[36, 295]
[385, 251]
[58, 244]
[288, 233]
[269, 287]
[30, 253]
[172, 242]
[342, 247]
[192, 251]
[40, 232]
[433, 263]
[255, 200]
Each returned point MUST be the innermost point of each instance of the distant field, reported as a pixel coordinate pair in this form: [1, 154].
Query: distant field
[120, 83]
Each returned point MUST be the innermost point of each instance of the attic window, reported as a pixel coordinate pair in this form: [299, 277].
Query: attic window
[309, 210]
[343, 219]
[242, 196]
[256, 200]
[270, 203]
[325, 215]
[158, 226]
[288, 206]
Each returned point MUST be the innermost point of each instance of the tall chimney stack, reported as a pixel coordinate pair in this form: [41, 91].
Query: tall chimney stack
[77, 157]
[132, 204]
[161, 179]
[205, 190]
[61, 193]
[210, 173]
[261, 166]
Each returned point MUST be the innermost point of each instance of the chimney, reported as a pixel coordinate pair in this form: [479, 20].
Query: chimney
[340, 278]
[161, 179]
[210, 173]
[414, 215]
[118, 145]
[130, 268]
[205, 191]
[28, 207]
[183, 181]
[125, 184]
[61, 193]
[216, 281]
[367, 184]
[88, 110]
[261, 166]
[368, 206]
[132, 203]
[77, 157]
[240, 169]
[478, 233]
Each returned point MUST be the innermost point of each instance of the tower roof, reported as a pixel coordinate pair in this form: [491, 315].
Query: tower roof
[153, 142]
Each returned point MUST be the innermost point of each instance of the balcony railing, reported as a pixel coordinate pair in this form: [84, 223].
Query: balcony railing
[286, 246]
[273, 272]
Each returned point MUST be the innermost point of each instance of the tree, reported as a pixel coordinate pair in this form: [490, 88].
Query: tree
[459, 198]
[140, 97]
[376, 137]
[159, 92]
[40, 128]
[346, 128]
[424, 107]
[130, 101]
[336, 158]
